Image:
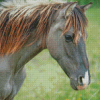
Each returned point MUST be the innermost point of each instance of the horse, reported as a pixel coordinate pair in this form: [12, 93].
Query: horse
[28, 28]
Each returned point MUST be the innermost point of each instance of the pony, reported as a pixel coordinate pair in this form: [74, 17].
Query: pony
[26, 28]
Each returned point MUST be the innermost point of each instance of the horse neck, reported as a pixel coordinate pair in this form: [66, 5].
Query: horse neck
[28, 52]
[31, 51]
[17, 60]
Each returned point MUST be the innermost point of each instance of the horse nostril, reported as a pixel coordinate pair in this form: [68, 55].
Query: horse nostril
[80, 81]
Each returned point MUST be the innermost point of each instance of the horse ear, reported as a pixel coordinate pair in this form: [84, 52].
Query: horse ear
[68, 9]
[86, 7]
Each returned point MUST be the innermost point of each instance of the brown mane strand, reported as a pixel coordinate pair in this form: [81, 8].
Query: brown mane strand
[16, 28]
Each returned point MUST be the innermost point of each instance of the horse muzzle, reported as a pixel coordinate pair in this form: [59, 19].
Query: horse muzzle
[81, 82]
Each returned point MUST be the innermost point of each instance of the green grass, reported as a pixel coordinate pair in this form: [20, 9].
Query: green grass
[47, 81]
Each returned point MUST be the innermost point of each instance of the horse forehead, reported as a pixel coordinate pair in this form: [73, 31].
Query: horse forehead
[80, 33]
[71, 31]
[59, 24]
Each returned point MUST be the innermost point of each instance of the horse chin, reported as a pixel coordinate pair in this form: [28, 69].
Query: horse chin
[78, 87]
[73, 87]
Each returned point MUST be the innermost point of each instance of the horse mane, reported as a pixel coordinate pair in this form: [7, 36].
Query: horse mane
[18, 22]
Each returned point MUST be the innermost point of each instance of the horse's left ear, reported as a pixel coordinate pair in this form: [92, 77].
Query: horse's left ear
[68, 9]
[86, 7]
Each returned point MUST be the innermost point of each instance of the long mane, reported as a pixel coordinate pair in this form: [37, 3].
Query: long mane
[19, 19]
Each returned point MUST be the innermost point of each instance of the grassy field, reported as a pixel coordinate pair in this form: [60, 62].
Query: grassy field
[47, 81]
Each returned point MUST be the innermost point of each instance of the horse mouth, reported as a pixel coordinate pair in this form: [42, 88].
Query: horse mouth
[82, 87]
[79, 87]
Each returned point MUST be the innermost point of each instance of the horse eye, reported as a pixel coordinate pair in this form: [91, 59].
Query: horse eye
[69, 38]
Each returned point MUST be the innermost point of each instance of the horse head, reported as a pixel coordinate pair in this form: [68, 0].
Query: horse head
[66, 44]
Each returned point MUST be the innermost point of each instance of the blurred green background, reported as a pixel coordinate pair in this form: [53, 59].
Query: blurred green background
[96, 3]
[47, 81]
